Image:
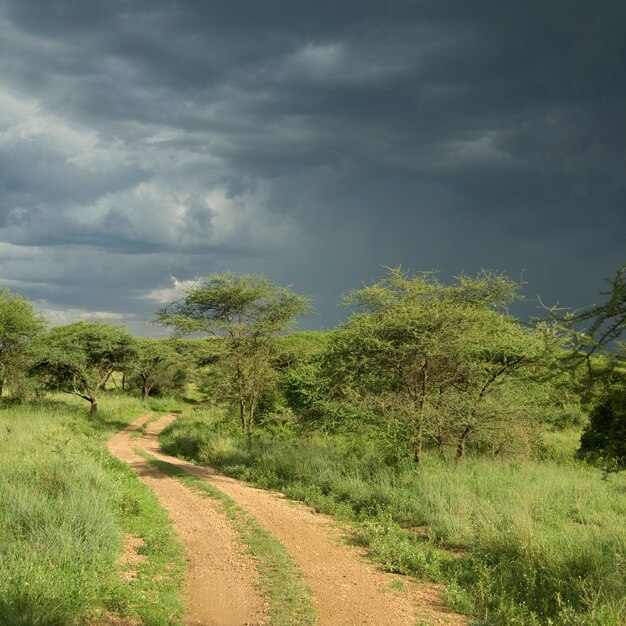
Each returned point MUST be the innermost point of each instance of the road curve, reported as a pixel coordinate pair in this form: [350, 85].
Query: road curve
[347, 589]
[221, 578]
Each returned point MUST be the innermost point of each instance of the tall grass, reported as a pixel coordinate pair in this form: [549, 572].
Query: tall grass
[64, 503]
[533, 543]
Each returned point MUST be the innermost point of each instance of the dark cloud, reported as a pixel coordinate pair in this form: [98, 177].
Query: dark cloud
[313, 141]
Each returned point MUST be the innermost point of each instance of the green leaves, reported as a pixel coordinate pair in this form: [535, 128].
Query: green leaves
[19, 325]
[79, 358]
[236, 305]
[434, 357]
[248, 311]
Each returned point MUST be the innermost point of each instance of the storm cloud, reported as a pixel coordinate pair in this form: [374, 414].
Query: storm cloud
[145, 144]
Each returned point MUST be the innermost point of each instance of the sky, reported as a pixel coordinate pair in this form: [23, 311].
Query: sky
[145, 144]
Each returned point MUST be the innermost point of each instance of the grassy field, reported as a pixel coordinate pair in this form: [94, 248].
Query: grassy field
[528, 543]
[65, 505]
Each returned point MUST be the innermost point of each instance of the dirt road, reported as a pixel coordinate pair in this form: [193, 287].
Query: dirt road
[221, 579]
[347, 589]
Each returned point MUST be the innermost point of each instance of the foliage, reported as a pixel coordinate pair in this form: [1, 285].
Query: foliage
[309, 391]
[68, 504]
[19, 324]
[526, 542]
[247, 312]
[591, 336]
[597, 359]
[436, 362]
[604, 439]
[297, 348]
[158, 367]
[79, 358]
[607, 321]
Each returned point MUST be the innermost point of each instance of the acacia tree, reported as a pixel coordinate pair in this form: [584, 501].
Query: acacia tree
[247, 312]
[155, 363]
[429, 357]
[594, 334]
[592, 331]
[19, 324]
[79, 358]
[492, 353]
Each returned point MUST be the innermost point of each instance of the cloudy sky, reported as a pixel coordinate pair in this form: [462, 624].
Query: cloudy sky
[145, 144]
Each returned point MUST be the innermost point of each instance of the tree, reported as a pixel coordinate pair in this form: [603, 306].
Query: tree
[248, 312]
[607, 320]
[593, 331]
[430, 358]
[593, 335]
[156, 364]
[490, 394]
[79, 358]
[19, 324]
[604, 439]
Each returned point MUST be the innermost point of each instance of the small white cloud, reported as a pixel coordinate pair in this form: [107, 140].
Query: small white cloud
[340, 63]
[59, 317]
[169, 294]
[478, 149]
[11, 252]
[319, 58]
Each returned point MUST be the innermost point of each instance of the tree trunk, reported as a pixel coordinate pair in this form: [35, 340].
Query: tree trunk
[94, 404]
[242, 414]
[251, 416]
[460, 449]
[417, 450]
[439, 441]
[145, 388]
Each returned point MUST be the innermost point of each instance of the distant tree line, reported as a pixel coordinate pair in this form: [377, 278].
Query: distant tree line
[419, 364]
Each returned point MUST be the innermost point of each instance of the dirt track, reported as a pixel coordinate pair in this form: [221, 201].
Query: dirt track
[347, 590]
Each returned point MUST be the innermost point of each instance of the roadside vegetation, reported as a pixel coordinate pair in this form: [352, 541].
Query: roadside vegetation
[67, 505]
[516, 542]
[462, 445]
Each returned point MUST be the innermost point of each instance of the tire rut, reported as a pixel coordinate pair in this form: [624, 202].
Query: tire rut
[347, 589]
[221, 582]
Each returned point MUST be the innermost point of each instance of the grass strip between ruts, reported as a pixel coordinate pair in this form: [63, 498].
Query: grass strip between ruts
[281, 580]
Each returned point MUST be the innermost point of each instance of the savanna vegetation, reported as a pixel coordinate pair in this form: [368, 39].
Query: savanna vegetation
[460, 444]
[66, 506]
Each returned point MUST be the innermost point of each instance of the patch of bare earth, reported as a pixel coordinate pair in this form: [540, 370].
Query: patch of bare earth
[131, 556]
[222, 579]
[347, 589]
[113, 620]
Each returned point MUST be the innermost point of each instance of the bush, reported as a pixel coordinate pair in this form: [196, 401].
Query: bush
[604, 439]
[527, 543]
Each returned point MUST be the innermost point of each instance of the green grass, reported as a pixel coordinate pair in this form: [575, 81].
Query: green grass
[530, 543]
[64, 506]
[281, 580]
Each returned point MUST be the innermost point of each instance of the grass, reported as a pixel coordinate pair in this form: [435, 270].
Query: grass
[531, 543]
[281, 580]
[66, 504]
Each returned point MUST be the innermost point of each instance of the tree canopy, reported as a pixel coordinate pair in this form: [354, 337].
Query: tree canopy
[248, 312]
[594, 335]
[157, 363]
[19, 324]
[433, 358]
[79, 358]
